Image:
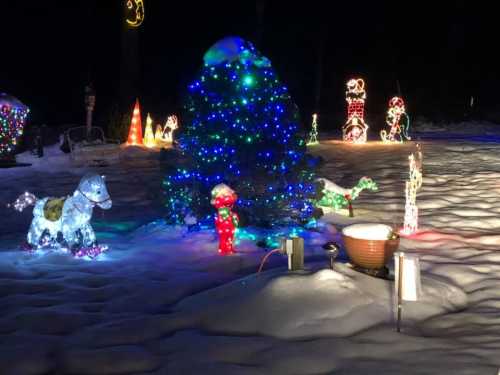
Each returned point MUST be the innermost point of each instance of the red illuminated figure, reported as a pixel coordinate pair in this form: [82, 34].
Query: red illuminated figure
[355, 128]
[226, 221]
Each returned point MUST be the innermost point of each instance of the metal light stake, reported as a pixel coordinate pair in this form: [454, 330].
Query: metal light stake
[400, 290]
[408, 286]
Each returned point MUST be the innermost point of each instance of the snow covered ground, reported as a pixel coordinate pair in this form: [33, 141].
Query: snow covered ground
[161, 301]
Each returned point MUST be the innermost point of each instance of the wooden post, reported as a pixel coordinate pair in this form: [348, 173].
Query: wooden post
[298, 254]
[400, 290]
[351, 211]
[89, 106]
[89, 120]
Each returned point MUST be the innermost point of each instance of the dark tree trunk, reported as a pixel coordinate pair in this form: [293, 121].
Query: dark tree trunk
[319, 71]
[259, 32]
[129, 65]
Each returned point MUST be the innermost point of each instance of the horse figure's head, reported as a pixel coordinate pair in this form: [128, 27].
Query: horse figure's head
[93, 187]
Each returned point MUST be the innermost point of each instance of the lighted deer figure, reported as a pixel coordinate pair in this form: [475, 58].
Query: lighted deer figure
[413, 184]
[168, 131]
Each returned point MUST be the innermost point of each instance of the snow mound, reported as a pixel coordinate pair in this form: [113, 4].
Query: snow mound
[138, 152]
[337, 303]
[53, 159]
[423, 125]
[368, 231]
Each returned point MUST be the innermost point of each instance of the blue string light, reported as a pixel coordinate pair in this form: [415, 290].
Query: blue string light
[241, 128]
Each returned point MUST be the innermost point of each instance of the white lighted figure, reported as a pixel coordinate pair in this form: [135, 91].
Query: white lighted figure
[413, 184]
[168, 131]
[65, 221]
[313, 135]
[355, 129]
[149, 138]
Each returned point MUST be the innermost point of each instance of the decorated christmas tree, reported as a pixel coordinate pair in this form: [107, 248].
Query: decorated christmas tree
[13, 116]
[241, 128]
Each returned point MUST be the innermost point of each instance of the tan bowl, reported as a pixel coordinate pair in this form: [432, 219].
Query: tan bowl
[371, 254]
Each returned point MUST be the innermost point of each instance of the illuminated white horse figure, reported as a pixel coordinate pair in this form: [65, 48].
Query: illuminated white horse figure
[67, 216]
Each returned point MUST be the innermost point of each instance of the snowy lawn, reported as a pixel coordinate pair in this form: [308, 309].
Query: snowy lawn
[161, 301]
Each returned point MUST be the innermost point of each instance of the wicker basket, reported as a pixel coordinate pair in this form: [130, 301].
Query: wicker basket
[370, 254]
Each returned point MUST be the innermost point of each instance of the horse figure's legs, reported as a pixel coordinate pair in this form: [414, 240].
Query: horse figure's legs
[37, 224]
[88, 234]
[83, 236]
[35, 232]
[74, 221]
[69, 234]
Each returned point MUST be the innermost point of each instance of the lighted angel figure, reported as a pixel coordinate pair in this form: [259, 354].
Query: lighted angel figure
[65, 221]
[355, 129]
[398, 122]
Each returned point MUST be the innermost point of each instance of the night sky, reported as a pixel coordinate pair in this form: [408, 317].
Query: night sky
[442, 53]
